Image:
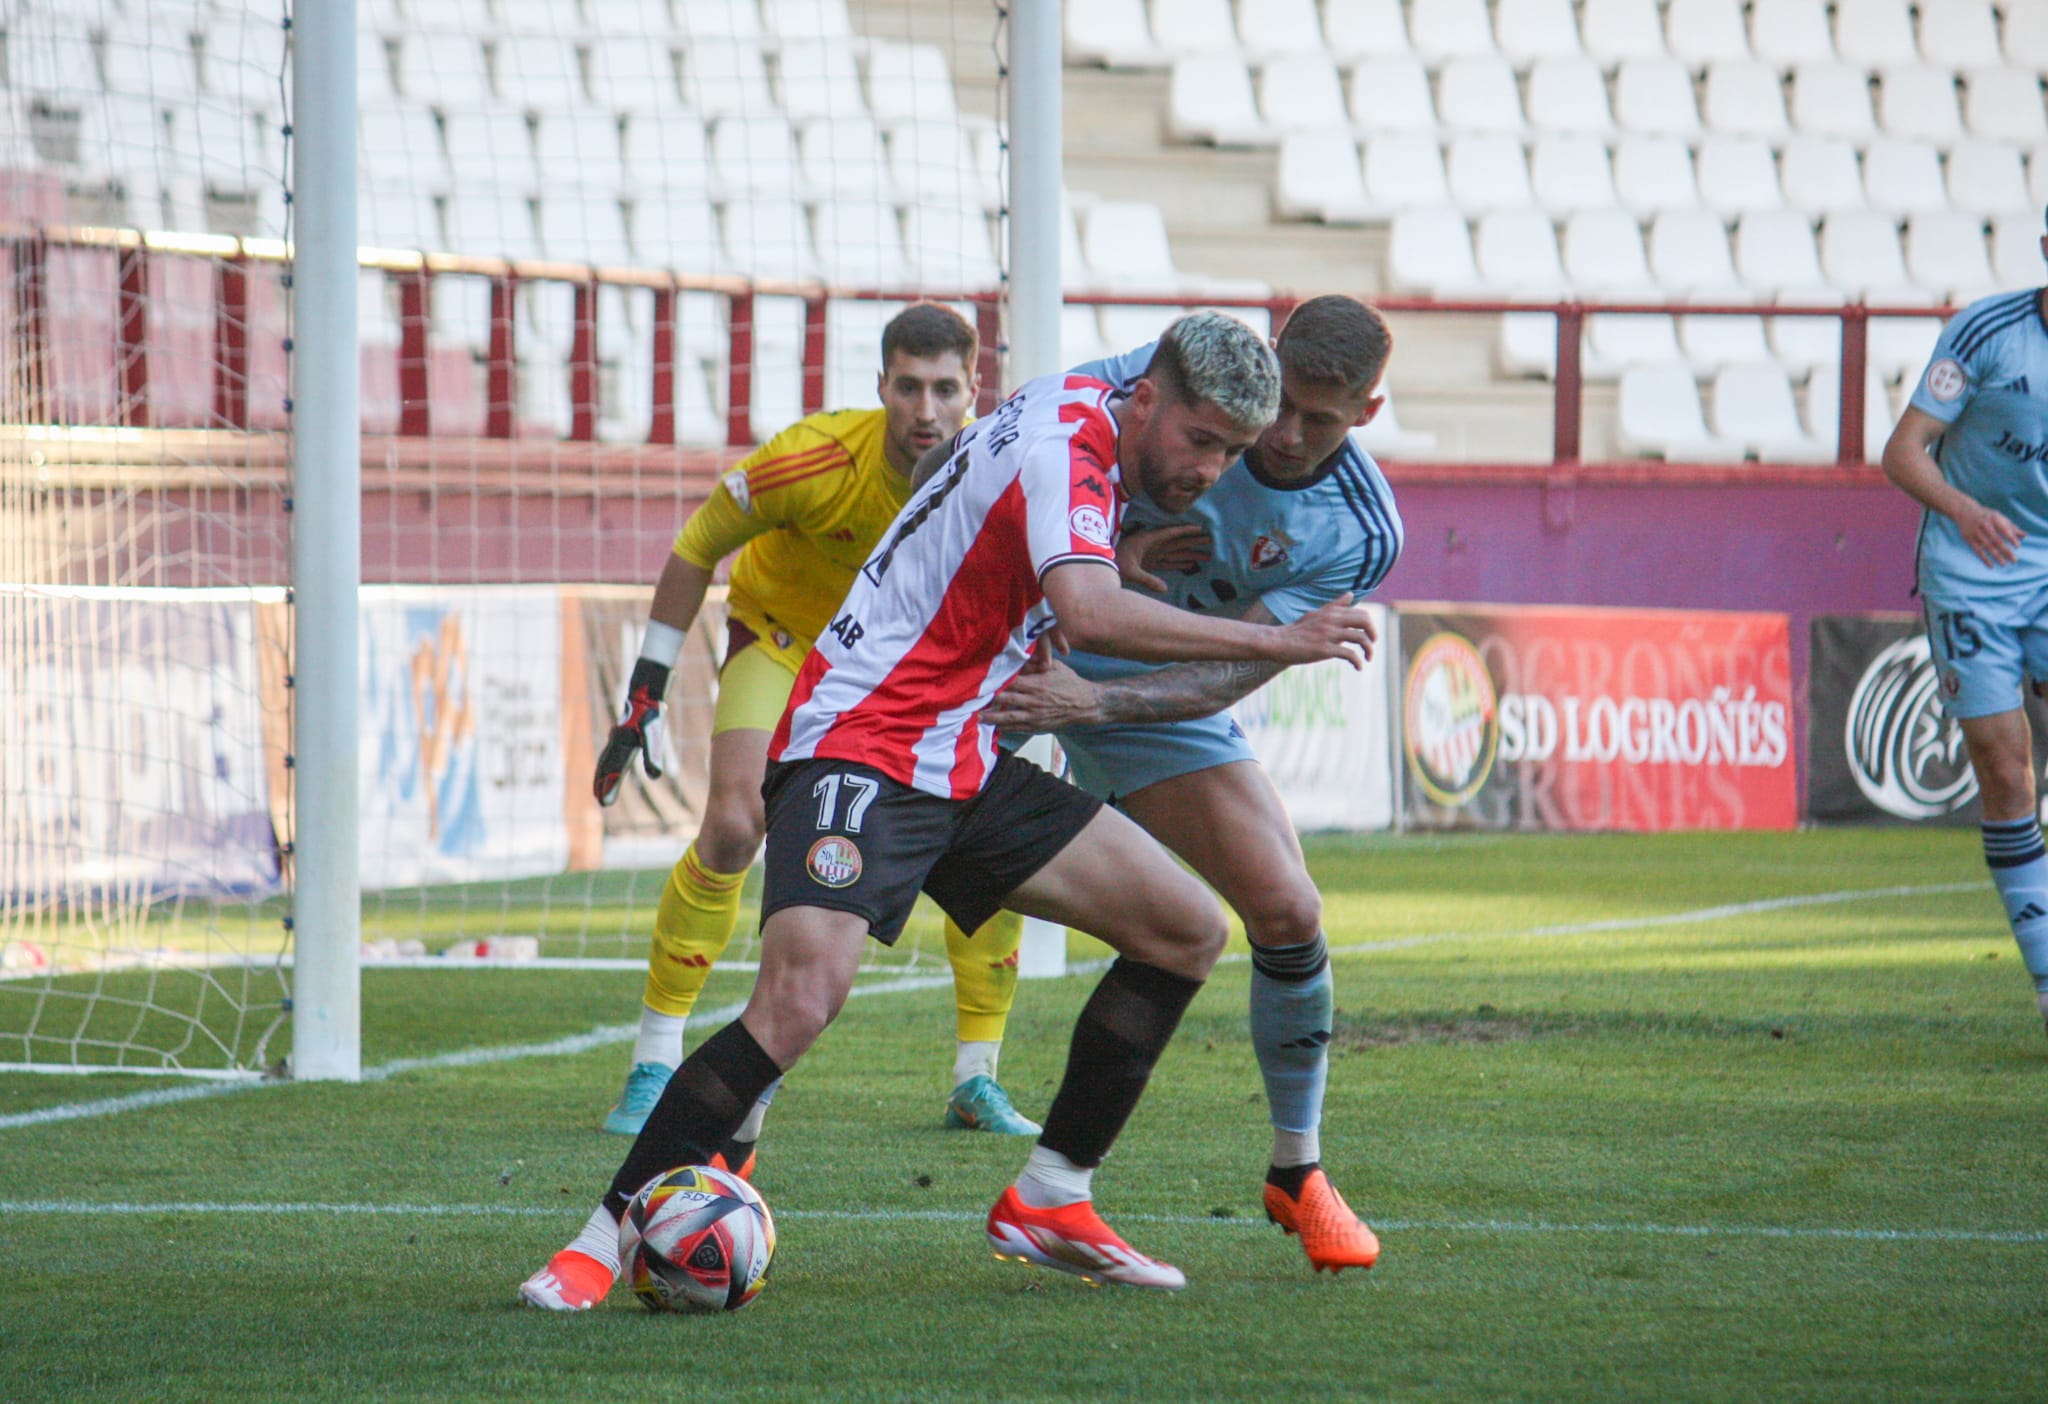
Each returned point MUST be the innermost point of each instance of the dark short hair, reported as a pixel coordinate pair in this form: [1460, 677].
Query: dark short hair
[1336, 340]
[928, 329]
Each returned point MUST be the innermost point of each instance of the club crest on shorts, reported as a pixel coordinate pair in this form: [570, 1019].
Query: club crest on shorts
[1945, 380]
[833, 861]
[1090, 525]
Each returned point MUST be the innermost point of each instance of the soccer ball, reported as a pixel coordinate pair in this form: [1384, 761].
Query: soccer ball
[696, 1239]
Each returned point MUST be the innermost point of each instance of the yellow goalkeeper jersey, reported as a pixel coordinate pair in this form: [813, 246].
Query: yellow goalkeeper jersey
[803, 510]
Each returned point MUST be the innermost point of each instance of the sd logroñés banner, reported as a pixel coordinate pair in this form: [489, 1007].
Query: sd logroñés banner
[1568, 718]
[1323, 732]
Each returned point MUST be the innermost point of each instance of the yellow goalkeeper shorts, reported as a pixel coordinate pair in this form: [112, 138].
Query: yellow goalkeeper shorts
[753, 686]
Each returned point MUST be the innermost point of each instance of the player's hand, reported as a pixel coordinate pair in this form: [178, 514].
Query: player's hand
[1045, 696]
[1990, 534]
[638, 732]
[1143, 553]
[1340, 629]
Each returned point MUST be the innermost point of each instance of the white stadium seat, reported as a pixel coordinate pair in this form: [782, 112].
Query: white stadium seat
[1788, 33]
[1527, 345]
[490, 150]
[641, 19]
[1659, 415]
[951, 247]
[1404, 171]
[2016, 258]
[1701, 32]
[538, 73]
[676, 231]
[1430, 252]
[817, 79]
[930, 162]
[244, 58]
[1824, 411]
[493, 224]
[860, 244]
[717, 19]
[1745, 98]
[1985, 177]
[1874, 33]
[1182, 27]
[843, 156]
[152, 56]
[1689, 251]
[399, 146]
[1384, 437]
[1517, 254]
[1569, 95]
[1301, 92]
[1603, 254]
[1477, 93]
[1528, 30]
[726, 78]
[579, 151]
[1960, 33]
[908, 82]
[1617, 341]
[1617, 30]
[1113, 33]
[1753, 406]
[1320, 177]
[769, 238]
[2037, 178]
[2026, 36]
[1125, 244]
[1359, 29]
[1653, 97]
[2004, 104]
[583, 229]
[1210, 99]
[1654, 173]
[1738, 175]
[1774, 251]
[447, 71]
[1571, 173]
[1917, 101]
[754, 154]
[1279, 28]
[1902, 345]
[448, 16]
[1832, 99]
[1903, 177]
[805, 19]
[1442, 30]
[1081, 336]
[1821, 175]
[1390, 94]
[1946, 254]
[1801, 343]
[1488, 173]
[633, 75]
[1710, 342]
[669, 153]
[1859, 253]
[399, 218]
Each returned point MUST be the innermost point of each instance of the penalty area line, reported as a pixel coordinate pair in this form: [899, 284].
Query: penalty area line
[48, 1208]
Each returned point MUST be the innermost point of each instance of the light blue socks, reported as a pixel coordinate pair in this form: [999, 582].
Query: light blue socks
[2019, 868]
[1293, 998]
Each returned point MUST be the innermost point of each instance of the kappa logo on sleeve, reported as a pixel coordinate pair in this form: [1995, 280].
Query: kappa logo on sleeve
[1090, 525]
[1945, 379]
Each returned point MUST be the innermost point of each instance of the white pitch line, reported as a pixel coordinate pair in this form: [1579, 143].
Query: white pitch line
[26, 1208]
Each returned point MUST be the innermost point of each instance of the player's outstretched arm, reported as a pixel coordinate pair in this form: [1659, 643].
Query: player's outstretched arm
[1097, 614]
[1909, 462]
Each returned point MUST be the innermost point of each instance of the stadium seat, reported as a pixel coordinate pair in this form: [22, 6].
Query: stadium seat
[1710, 342]
[1526, 345]
[1210, 99]
[755, 155]
[471, 17]
[1703, 32]
[2004, 104]
[398, 218]
[1821, 175]
[1404, 171]
[807, 19]
[1603, 254]
[244, 59]
[1903, 345]
[2016, 258]
[579, 151]
[536, 19]
[1903, 177]
[1442, 30]
[1183, 27]
[57, 65]
[718, 19]
[633, 75]
[1824, 411]
[1787, 33]
[1745, 98]
[1655, 173]
[1916, 101]
[1689, 251]
[446, 71]
[1801, 343]
[1753, 406]
[1615, 31]
[1571, 173]
[1985, 177]
[629, 19]
[1301, 92]
[1617, 341]
[1859, 253]
[950, 248]
[1125, 244]
[1488, 173]
[1361, 29]
[1320, 178]
[769, 238]
[909, 82]
[1081, 336]
[152, 56]
[1529, 30]
[538, 73]
[1874, 33]
[1113, 33]
[493, 224]
[1959, 33]
[1477, 93]
[676, 230]
[1516, 252]
[1774, 251]
[2026, 36]
[816, 78]
[929, 161]
[1659, 416]
[583, 229]
[843, 156]
[860, 244]
[1946, 254]
[1279, 29]
[1569, 95]
[1429, 251]
[729, 78]
[1653, 97]
[666, 153]
[1390, 94]
[490, 150]
[1832, 99]
[1126, 327]
[853, 339]
[2037, 178]
[1385, 437]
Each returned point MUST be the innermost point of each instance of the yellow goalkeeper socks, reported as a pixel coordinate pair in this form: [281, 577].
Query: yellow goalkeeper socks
[984, 975]
[698, 911]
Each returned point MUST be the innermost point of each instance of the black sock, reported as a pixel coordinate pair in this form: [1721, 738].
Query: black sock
[1119, 1036]
[735, 1151]
[1289, 1179]
[706, 1101]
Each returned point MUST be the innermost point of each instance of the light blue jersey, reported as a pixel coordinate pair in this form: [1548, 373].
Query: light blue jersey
[1291, 547]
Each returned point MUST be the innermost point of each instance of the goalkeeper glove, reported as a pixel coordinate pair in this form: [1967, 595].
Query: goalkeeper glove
[639, 730]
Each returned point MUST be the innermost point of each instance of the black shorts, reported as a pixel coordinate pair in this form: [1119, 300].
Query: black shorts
[844, 835]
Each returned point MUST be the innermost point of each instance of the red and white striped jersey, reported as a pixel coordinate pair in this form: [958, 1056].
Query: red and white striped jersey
[949, 606]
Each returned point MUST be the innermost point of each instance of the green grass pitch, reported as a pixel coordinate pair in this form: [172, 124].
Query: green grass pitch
[1637, 1118]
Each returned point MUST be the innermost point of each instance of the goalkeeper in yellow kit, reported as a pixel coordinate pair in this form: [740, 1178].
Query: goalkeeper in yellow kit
[803, 512]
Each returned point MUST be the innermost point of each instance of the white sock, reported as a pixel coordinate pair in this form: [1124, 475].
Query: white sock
[660, 1039]
[1296, 1147]
[1050, 1180]
[750, 1129]
[600, 1239]
[2042, 1000]
[975, 1058]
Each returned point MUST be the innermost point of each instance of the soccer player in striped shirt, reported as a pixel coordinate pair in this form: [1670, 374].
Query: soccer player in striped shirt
[1305, 517]
[884, 779]
[1970, 449]
[798, 515]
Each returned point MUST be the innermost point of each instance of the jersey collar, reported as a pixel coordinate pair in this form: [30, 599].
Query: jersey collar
[1328, 466]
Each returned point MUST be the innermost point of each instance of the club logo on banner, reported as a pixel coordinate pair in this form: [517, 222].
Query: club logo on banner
[1450, 719]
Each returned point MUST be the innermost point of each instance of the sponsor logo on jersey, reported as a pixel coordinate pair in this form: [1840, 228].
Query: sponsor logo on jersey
[1268, 552]
[1945, 380]
[1450, 719]
[736, 487]
[834, 861]
[1090, 525]
[1905, 755]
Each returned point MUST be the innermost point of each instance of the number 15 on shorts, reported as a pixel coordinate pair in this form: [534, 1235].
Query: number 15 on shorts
[860, 792]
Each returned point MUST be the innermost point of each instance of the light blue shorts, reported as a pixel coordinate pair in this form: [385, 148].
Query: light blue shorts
[1111, 762]
[1986, 648]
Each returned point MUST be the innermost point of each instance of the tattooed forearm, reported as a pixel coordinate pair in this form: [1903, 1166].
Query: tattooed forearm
[1183, 691]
